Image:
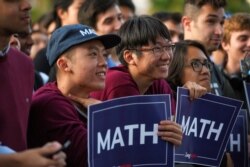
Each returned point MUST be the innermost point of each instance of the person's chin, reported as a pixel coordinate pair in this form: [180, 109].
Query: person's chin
[214, 45]
[162, 76]
[205, 84]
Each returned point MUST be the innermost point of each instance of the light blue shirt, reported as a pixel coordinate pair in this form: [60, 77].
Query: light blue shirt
[6, 150]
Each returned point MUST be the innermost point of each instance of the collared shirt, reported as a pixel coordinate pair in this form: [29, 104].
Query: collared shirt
[4, 51]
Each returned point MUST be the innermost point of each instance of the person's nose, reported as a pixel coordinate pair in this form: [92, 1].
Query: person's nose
[248, 42]
[167, 54]
[25, 5]
[205, 70]
[102, 61]
[219, 29]
[118, 23]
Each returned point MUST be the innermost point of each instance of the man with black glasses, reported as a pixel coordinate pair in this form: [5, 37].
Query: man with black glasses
[145, 52]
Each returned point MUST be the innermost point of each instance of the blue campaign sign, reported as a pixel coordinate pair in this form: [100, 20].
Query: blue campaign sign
[123, 132]
[206, 123]
[237, 144]
[247, 94]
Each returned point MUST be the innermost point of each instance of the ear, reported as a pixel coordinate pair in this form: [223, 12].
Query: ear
[186, 23]
[63, 64]
[225, 46]
[129, 57]
[61, 13]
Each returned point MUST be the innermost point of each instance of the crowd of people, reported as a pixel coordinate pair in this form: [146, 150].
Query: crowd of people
[84, 52]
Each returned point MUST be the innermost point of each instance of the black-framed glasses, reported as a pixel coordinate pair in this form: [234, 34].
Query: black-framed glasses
[159, 50]
[197, 65]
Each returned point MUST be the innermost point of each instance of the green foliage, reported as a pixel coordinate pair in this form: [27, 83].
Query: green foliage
[233, 6]
[166, 5]
[39, 7]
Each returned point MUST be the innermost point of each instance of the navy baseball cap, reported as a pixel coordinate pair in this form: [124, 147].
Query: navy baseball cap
[67, 36]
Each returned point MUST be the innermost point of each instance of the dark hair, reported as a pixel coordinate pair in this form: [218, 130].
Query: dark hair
[191, 7]
[127, 3]
[139, 31]
[200, 3]
[168, 16]
[178, 61]
[60, 4]
[91, 8]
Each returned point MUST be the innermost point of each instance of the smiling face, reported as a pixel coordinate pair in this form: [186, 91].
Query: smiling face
[14, 13]
[188, 74]
[152, 64]
[236, 41]
[207, 27]
[86, 66]
[109, 21]
[238, 45]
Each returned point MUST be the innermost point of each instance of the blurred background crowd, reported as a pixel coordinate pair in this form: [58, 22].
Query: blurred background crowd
[39, 7]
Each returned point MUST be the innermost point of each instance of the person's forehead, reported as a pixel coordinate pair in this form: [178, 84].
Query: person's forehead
[194, 51]
[159, 40]
[77, 2]
[208, 10]
[114, 9]
[240, 33]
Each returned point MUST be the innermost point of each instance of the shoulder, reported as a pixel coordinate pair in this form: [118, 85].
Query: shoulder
[161, 86]
[20, 63]
[117, 76]
[119, 83]
[19, 56]
[118, 72]
[49, 97]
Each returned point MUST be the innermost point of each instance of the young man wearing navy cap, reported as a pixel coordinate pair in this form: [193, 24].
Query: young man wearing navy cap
[78, 55]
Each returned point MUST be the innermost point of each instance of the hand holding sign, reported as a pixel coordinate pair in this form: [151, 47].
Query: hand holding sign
[170, 131]
[124, 131]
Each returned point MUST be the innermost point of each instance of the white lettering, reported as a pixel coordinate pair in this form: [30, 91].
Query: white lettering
[206, 125]
[185, 125]
[103, 144]
[87, 32]
[193, 128]
[117, 138]
[234, 142]
[213, 130]
[187, 155]
[130, 129]
[153, 133]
